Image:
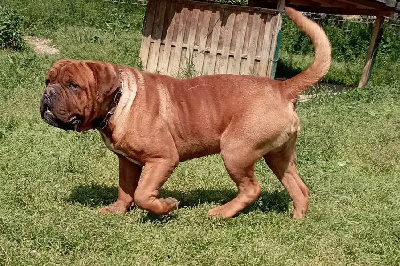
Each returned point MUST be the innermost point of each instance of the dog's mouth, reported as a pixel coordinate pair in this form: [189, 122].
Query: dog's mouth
[51, 119]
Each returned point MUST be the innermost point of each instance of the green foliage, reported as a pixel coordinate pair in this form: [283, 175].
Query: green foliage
[46, 16]
[339, 73]
[350, 40]
[188, 71]
[11, 36]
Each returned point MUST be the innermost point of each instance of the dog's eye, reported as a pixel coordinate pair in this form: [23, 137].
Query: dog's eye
[73, 86]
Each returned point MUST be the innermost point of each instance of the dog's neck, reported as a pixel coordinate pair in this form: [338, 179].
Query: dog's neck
[111, 109]
[119, 110]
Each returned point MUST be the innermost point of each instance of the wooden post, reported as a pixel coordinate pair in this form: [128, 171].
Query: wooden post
[281, 5]
[278, 37]
[376, 33]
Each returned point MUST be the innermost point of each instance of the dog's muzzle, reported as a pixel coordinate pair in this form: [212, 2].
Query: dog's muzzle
[48, 115]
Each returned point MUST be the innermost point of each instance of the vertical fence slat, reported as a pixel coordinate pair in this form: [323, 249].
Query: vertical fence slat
[245, 49]
[165, 57]
[227, 30]
[157, 35]
[146, 38]
[192, 37]
[251, 49]
[211, 43]
[259, 46]
[266, 47]
[240, 42]
[199, 59]
[275, 26]
[214, 43]
[173, 67]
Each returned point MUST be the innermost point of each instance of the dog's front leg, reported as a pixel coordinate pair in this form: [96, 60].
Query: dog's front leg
[129, 174]
[156, 172]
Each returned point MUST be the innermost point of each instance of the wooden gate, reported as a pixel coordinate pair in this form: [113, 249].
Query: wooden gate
[208, 38]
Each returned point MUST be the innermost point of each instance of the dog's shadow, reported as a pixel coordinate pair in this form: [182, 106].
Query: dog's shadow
[95, 196]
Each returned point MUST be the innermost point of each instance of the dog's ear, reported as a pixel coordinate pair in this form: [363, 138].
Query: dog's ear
[107, 78]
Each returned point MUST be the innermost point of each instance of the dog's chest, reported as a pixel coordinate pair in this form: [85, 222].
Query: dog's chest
[111, 147]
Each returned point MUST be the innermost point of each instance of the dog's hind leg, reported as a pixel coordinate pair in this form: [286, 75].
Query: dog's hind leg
[282, 163]
[240, 166]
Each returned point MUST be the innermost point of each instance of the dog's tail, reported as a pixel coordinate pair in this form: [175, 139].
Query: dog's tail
[301, 82]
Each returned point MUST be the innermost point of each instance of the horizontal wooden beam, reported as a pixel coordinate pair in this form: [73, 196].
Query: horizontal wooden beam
[343, 11]
[340, 7]
[362, 4]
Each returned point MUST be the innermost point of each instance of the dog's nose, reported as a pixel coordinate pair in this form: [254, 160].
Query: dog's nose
[49, 95]
[49, 92]
[47, 99]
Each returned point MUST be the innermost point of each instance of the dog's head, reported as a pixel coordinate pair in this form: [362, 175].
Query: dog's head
[79, 93]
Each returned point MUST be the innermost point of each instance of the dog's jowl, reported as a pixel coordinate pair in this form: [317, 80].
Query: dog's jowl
[157, 121]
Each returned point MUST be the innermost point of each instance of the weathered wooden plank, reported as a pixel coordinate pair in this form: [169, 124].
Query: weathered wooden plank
[190, 43]
[148, 27]
[242, 70]
[183, 59]
[242, 26]
[266, 47]
[275, 28]
[203, 36]
[165, 56]
[226, 33]
[173, 68]
[251, 52]
[256, 68]
[212, 43]
[184, 56]
[156, 35]
[259, 44]
[208, 42]
[245, 47]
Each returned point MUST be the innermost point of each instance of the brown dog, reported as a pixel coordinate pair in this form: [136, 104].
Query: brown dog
[157, 121]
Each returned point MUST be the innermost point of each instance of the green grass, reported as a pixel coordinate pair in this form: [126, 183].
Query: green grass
[339, 73]
[52, 182]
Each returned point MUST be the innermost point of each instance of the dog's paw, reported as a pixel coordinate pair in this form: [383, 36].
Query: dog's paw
[116, 207]
[170, 204]
[221, 212]
[299, 214]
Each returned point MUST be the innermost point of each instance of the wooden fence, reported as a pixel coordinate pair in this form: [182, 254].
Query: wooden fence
[208, 38]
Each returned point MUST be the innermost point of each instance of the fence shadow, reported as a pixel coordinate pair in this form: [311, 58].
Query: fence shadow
[95, 196]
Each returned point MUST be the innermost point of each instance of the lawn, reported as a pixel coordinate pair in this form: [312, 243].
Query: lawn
[52, 182]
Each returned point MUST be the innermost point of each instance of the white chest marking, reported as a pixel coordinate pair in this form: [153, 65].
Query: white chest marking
[111, 148]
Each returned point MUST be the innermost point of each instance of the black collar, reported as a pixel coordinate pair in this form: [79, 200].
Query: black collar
[104, 123]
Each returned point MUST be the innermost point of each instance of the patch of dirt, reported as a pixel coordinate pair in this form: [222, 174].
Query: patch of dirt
[41, 46]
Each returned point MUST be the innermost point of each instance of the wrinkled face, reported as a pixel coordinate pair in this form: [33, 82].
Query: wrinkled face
[78, 94]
